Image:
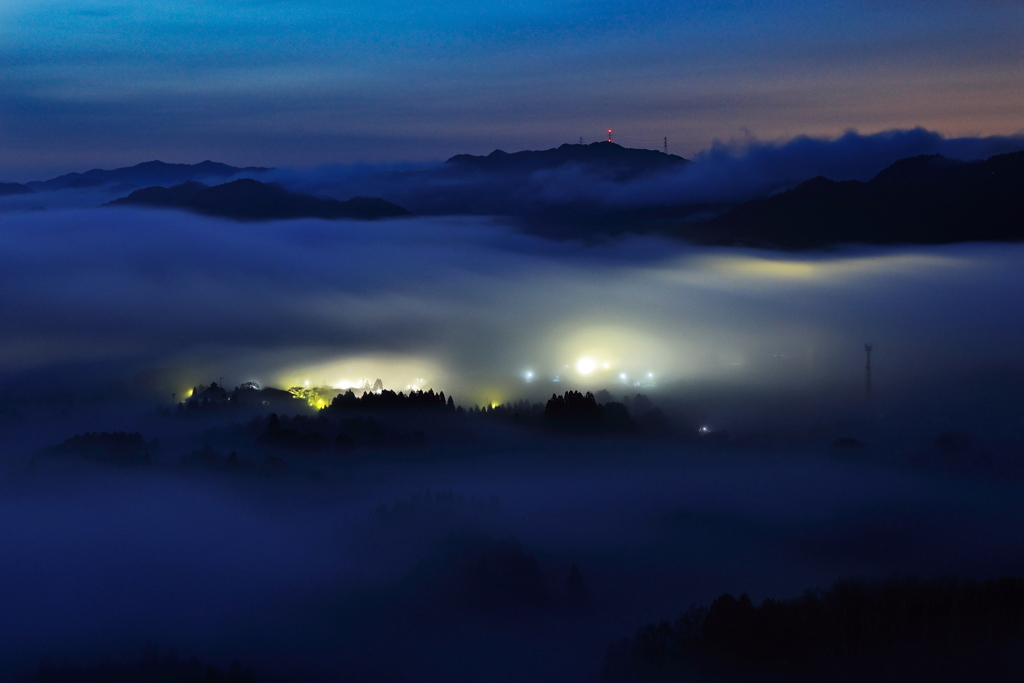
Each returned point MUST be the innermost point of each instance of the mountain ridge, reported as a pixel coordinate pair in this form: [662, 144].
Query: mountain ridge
[7, 189]
[626, 162]
[928, 199]
[147, 173]
[250, 200]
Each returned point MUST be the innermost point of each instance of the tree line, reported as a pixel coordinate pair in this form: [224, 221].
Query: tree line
[898, 628]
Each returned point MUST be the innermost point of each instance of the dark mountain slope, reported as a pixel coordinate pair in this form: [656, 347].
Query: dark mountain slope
[147, 173]
[248, 199]
[921, 200]
[14, 188]
[177, 196]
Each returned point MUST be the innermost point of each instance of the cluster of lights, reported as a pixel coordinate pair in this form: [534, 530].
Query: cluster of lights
[310, 395]
[647, 381]
[587, 366]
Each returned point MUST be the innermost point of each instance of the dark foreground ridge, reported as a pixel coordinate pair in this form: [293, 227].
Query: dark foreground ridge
[249, 199]
[920, 200]
[906, 629]
[146, 173]
[150, 668]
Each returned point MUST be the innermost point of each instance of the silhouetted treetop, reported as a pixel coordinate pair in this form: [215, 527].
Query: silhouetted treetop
[121, 448]
[390, 400]
[941, 620]
[288, 438]
[480, 575]
[573, 407]
[574, 410]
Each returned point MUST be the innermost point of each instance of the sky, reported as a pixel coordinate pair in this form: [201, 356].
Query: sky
[104, 83]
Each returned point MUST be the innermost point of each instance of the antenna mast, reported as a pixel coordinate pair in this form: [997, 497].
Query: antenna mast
[609, 135]
[666, 145]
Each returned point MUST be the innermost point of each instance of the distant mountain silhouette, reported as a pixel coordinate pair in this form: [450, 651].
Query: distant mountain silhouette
[147, 173]
[14, 188]
[527, 185]
[81, 184]
[623, 162]
[920, 200]
[177, 196]
[248, 199]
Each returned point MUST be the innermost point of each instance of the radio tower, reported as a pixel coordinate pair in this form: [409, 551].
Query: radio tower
[666, 145]
[609, 135]
[867, 371]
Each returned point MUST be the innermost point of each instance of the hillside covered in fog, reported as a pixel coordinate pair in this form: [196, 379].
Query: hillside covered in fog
[898, 187]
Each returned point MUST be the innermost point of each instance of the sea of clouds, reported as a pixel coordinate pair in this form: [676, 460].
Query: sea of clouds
[107, 311]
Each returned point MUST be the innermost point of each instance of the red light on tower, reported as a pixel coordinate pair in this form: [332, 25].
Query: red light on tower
[609, 135]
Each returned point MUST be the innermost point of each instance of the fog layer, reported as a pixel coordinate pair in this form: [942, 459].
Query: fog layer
[471, 307]
[302, 576]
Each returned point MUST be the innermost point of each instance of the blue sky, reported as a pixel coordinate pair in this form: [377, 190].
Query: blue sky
[113, 82]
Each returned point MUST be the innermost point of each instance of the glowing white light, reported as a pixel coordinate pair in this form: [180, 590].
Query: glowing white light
[650, 374]
[585, 366]
[622, 376]
[605, 366]
[528, 375]
[307, 382]
[704, 430]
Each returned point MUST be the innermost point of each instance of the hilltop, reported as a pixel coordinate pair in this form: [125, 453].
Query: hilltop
[14, 188]
[920, 200]
[249, 199]
[625, 163]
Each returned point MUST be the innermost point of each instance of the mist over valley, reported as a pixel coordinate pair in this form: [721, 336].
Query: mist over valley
[468, 444]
